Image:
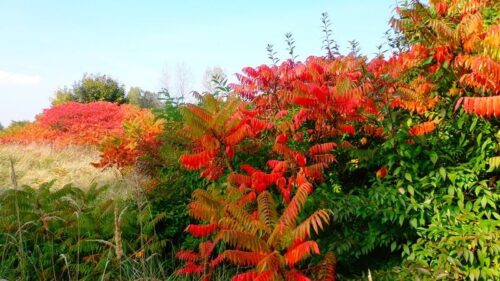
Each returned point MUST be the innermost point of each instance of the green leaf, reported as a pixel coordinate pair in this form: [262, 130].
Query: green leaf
[434, 157]
[427, 61]
[442, 172]
[409, 122]
[473, 125]
[413, 222]
[411, 190]
[406, 249]
[451, 191]
[484, 201]
[452, 177]
[408, 177]
[397, 171]
[460, 123]
[393, 246]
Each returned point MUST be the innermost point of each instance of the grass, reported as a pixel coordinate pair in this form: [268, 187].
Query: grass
[36, 164]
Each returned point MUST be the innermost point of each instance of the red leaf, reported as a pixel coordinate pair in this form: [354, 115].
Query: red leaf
[322, 148]
[281, 138]
[197, 160]
[348, 129]
[382, 172]
[188, 255]
[201, 230]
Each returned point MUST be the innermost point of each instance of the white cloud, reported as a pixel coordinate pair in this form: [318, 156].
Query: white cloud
[8, 78]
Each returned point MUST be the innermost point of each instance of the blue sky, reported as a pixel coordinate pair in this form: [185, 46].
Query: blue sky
[46, 45]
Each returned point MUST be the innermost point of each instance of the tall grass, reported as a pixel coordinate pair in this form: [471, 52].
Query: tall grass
[38, 163]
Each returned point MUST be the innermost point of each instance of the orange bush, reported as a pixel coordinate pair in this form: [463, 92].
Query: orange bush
[124, 131]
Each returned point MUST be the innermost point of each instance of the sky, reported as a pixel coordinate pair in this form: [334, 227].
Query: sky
[46, 44]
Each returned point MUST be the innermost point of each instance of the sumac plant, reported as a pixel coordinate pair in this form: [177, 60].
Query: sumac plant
[374, 129]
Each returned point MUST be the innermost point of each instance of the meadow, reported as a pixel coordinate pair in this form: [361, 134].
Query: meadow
[36, 164]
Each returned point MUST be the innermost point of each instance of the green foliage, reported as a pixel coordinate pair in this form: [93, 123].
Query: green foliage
[75, 235]
[171, 107]
[143, 99]
[14, 126]
[98, 88]
[62, 96]
[172, 194]
[432, 214]
[92, 88]
[134, 96]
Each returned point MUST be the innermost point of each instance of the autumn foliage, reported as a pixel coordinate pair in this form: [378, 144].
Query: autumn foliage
[284, 129]
[124, 132]
[297, 114]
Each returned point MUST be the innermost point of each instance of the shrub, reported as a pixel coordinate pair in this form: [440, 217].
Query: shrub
[411, 178]
[124, 132]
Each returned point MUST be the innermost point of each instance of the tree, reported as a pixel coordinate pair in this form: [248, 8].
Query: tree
[98, 88]
[62, 96]
[183, 78]
[142, 98]
[17, 124]
[93, 87]
[177, 81]
[1, 127]
[150, 100]
[134, 96]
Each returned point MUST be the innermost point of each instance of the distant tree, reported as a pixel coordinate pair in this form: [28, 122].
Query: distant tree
[183, 79]
[144, 99]
[177, 80]
[150, 100]
[134, 96]
[62, 96]
[17, 124]
[98, 88]
[92, 88]
[1, 127]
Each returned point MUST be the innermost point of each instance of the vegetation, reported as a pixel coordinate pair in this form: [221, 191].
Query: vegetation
[36, 164]
[333, 167]
[92, 88]
[70, 234]
[143, 99]
[124, 127]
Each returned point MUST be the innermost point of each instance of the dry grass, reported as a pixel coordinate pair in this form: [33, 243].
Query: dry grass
[35, 164]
